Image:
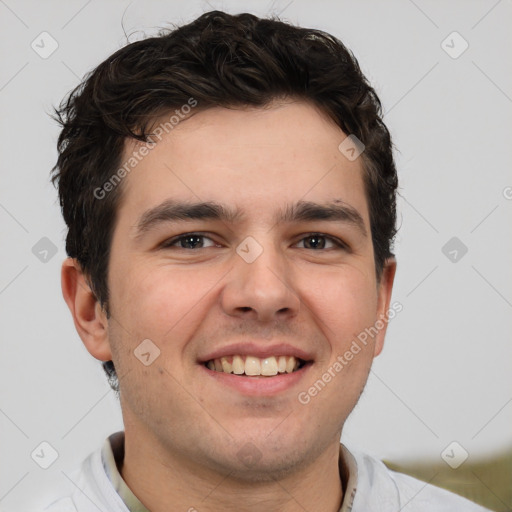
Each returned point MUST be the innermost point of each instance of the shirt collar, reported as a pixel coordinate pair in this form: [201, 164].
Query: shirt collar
[112, 455]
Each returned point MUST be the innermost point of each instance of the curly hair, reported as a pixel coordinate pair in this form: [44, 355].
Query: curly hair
[219, 60]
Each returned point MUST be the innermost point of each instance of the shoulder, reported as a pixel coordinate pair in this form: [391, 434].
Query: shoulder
[67, 495]
[86, 489]
[383, 490]
[422, 496]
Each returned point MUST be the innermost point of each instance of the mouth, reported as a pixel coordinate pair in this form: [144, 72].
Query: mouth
[255, 369]
[252, 366]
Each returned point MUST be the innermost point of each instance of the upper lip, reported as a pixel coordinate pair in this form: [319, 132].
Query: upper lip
[257, 350]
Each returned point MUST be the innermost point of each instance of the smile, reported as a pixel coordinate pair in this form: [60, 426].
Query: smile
[255, 366]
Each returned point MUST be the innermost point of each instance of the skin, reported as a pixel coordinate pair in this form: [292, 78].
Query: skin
[184, 431]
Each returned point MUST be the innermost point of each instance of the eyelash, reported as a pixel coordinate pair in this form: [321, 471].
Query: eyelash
[172, 241]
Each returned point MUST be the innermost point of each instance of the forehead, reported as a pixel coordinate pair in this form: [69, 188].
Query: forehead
[256, 159]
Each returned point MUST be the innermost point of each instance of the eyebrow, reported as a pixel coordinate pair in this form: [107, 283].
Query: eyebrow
[305, 211]
[172, 211]
[336, 211]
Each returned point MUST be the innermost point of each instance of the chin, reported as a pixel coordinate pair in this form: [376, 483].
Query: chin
[265, 460]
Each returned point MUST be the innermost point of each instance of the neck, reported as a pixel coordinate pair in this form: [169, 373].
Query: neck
[159, 478]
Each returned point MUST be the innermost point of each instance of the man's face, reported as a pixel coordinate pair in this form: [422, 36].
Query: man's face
[251, 285]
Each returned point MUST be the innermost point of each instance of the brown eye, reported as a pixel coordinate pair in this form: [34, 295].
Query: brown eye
[189, 241]
[316, 241]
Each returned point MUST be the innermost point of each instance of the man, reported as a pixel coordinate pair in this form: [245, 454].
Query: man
[229, 189]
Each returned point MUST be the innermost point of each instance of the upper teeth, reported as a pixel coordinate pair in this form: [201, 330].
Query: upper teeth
[251, 365]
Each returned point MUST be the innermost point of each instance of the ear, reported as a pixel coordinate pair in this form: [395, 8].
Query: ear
[385, 287]
[90, 319]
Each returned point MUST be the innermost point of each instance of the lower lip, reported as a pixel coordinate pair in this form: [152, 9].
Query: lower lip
[259, 386]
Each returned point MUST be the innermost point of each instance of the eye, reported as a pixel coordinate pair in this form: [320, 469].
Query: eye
[317, 241]
[189, 241]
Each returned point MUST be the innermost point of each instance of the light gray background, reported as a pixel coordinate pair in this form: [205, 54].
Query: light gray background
[445, 373]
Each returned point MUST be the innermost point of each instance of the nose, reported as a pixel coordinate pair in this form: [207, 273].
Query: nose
[261, 290]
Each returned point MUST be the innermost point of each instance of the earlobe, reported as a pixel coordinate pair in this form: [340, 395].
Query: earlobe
[89, 318]
[385, 289]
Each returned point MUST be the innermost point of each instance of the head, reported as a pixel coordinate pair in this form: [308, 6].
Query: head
[244, 118]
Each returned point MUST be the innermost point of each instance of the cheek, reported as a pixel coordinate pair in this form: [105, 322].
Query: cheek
[343, 303]
[163, 302]
[344, 299]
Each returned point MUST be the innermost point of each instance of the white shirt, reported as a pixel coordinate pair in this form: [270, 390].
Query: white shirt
[97, 486]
